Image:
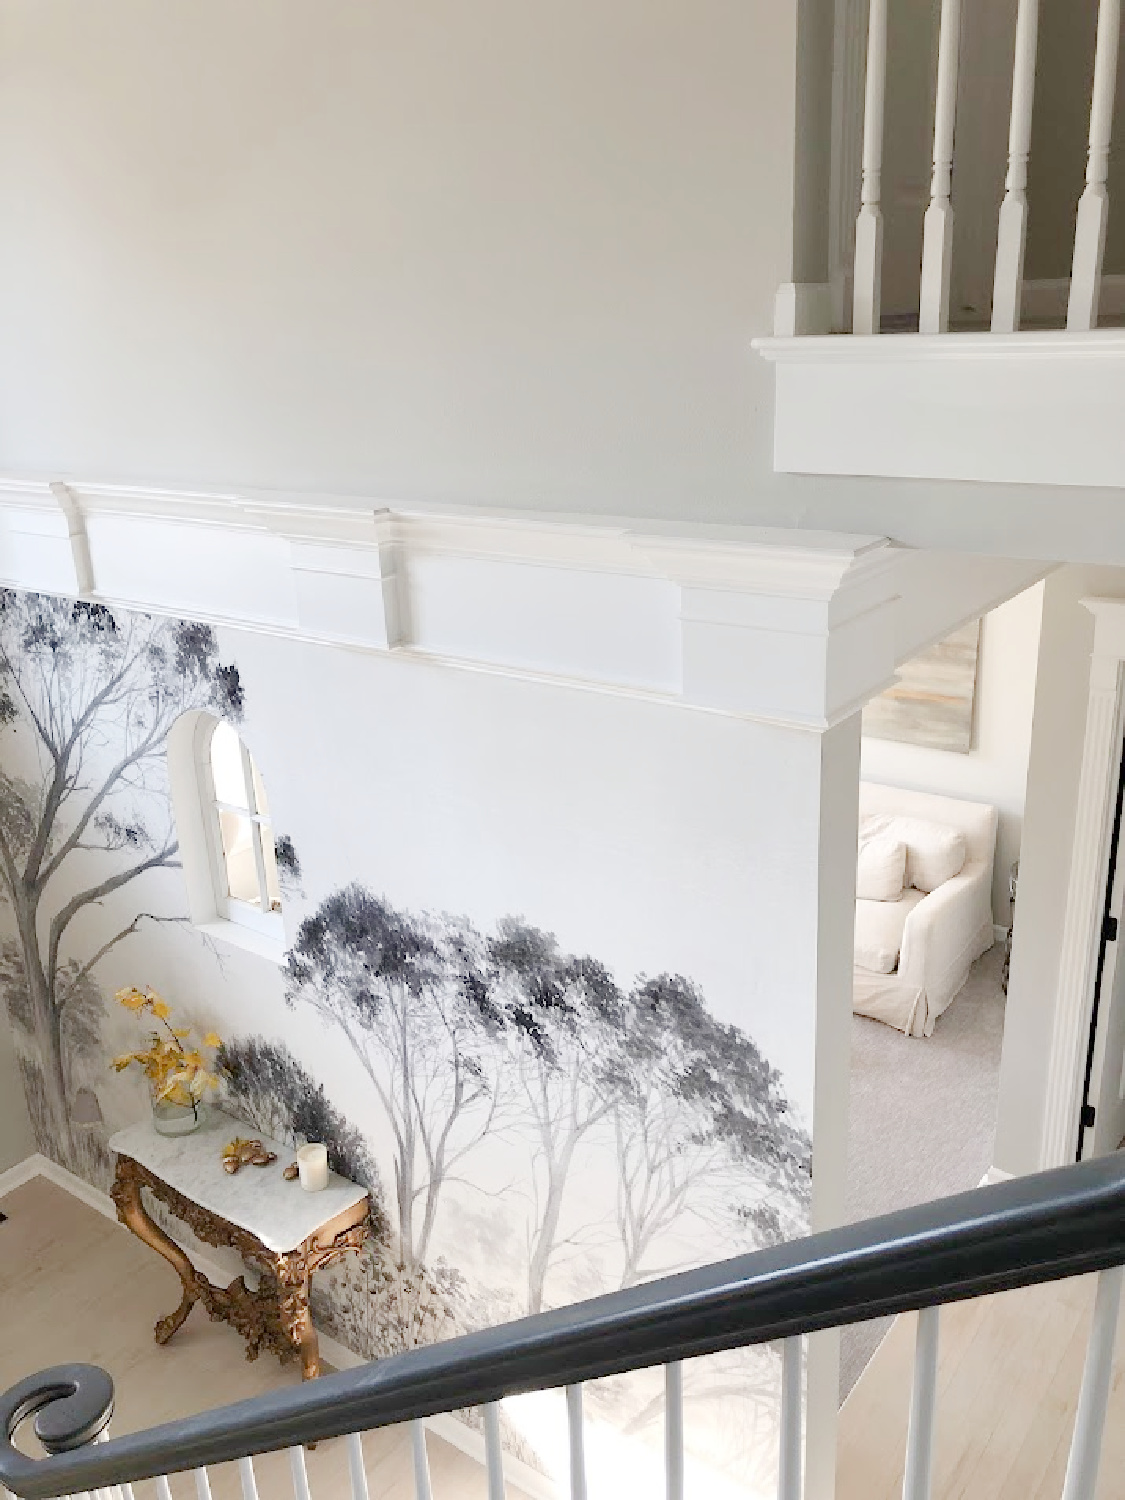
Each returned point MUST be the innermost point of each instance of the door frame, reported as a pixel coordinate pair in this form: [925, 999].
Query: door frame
[1087, 887]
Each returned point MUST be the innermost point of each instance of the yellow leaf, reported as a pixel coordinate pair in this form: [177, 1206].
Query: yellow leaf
[124, 1060]
[160, 1010]
[212, 1039]
[181, 1032]
[132, 999]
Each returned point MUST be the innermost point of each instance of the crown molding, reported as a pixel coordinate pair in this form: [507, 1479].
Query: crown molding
[785, 627]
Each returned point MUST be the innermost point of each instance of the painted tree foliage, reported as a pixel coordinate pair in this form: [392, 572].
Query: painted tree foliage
[268, 1088]
[97, 696]
[462, 1037]
[413, 998]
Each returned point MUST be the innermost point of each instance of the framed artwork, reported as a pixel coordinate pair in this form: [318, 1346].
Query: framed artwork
[932, 702]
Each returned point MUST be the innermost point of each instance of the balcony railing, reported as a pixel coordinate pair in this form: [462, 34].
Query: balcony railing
[1036, 1229]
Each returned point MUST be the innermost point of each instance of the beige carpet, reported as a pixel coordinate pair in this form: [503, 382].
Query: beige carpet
[923, 1117]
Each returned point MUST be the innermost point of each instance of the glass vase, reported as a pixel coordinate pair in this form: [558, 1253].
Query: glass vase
[176, 1119]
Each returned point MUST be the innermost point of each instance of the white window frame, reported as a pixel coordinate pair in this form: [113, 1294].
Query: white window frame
[230, 908]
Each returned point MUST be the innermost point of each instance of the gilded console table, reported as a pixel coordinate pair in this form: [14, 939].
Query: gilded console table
[278, 1229]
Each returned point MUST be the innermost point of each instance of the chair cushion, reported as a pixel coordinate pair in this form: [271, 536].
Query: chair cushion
[935, 853]
[879, 926]
[881, 868]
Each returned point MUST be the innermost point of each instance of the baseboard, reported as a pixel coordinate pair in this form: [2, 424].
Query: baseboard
[999, 934]
[23, 1171]
[446, 1426]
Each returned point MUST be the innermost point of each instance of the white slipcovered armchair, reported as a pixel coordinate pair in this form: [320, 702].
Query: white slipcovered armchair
[938, 935]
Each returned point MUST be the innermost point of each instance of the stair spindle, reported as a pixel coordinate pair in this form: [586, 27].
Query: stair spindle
[1011, 235]
[493, 1451]
[789, 1478]
[1097, 1378]
[868, 271]
[1093, 206]
[577, 1442]
[918, 1479]
[674, 1431]
[300, 1474]
[422, 1488]
[937, 235]
[357, 1473]
[246, 1477]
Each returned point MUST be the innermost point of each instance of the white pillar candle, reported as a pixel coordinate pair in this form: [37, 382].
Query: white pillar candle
[312, 1164]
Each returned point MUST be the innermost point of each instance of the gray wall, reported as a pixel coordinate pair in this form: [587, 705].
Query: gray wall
[499, 253]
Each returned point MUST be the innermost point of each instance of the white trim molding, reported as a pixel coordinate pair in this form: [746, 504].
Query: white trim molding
[1024, 408]
[1089, 864]
[783, 626]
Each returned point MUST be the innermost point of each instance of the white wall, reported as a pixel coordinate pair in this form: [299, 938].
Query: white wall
[995, 769]
[1058, 734]
[16, 1140]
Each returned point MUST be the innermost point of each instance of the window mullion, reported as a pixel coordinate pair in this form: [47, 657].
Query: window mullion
[255, 828]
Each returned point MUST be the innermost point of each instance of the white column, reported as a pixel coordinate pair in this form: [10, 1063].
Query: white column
[1093, 206]
[868, 274]
[1011, 238]
[937, 239]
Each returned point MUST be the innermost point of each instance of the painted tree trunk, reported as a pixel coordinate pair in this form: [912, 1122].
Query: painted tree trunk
[47, 1022]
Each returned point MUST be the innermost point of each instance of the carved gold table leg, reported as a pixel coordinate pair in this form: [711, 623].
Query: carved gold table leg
[126, 1194]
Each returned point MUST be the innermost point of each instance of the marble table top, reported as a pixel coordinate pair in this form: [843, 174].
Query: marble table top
[280, 1214]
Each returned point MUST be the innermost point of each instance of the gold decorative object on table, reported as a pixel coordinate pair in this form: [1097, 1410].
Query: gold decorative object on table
[239, 1153]
[291, 1172]
[178, 1075]
[284, 1236]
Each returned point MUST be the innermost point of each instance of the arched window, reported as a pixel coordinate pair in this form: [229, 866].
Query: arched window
[243, 857]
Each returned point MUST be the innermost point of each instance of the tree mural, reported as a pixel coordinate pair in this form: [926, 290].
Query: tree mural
[701, 1127]
[98, 696]
[460, 1036]
[565, 1019]
[268, 1088]
[413, 998]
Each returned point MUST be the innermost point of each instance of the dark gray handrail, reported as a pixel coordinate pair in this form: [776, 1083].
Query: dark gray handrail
[1056, 1224]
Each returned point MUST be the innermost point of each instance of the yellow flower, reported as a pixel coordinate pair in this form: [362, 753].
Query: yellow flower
[212, 1039]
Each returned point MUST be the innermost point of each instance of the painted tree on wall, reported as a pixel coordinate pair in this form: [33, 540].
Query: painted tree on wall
[413, 998]
[97, 696]
[702, 1129]
[566, 1023]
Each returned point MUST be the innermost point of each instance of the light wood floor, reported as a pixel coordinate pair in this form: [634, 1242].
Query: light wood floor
[1008, 1378]
[76, 1286]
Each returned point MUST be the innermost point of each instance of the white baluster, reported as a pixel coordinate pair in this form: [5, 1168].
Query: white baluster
[164, 1489]
[246, 1475]
[674, 1431]
[493, 1452]
[789, 1465]
[1093, 206]
[1011, 237]
[1097, 1377]
[356, 1471]
[422, 1489]
[202, 1485]
[126, 1492]
[867, 289]
[937, 234]
[923, 1407]
[577, 1442]
[299, 1473]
